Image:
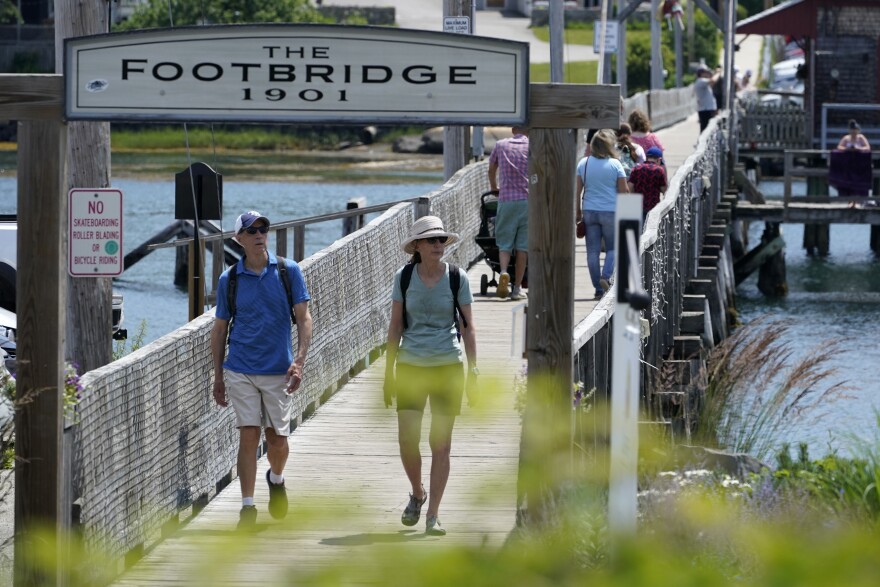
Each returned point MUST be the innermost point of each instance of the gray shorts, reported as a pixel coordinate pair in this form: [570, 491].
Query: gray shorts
[259, 400]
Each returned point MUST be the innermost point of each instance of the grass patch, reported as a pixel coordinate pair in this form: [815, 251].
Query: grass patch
[574, 72]
[573, 35]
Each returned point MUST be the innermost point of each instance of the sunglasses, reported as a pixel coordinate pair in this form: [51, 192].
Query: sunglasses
[260, 229]
[431, 240]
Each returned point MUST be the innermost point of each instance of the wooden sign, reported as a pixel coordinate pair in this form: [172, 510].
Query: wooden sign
[296, 73]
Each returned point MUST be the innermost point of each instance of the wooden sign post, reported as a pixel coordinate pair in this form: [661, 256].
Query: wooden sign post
[556, 112]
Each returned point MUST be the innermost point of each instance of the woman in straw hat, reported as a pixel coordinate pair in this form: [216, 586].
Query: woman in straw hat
[424, 348]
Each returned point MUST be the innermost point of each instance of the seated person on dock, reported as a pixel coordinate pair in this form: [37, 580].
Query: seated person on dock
[849, 168]
[854, 140]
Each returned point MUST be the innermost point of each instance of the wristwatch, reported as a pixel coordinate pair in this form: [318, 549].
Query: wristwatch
[475, 371]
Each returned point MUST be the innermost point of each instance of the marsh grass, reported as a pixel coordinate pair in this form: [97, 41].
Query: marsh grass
[758, 392]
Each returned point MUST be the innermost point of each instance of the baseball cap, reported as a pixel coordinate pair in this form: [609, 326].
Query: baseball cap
[245, 220]
[703, 69]
[654, 152]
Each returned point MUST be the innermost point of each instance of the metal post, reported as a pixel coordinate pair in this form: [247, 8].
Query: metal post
[630, 299]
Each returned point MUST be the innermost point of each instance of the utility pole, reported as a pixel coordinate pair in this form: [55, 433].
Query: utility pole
[455, 138]
[557, 42]
[90, 299]
[656, 50]
[621, 50]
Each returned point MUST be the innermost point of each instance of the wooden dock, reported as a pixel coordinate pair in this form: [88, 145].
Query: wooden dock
[347, 487]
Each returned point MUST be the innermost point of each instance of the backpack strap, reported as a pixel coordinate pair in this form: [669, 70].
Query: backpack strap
[454, 285]
[405, 278]
[232, 286]
[288, 287]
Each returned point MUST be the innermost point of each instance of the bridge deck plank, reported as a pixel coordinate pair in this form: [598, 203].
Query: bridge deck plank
[347, 486]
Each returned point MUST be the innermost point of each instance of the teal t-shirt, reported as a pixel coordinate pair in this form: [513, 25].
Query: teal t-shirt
[429, 339]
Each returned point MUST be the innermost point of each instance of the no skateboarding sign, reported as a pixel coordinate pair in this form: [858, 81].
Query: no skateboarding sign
[95, 229]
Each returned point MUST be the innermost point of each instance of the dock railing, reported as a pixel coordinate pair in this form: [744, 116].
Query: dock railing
[670, 248]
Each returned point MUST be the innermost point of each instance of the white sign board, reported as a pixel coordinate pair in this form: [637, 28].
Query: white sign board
[460, 25]
[296, 73]
[95, 232]
[611, 30]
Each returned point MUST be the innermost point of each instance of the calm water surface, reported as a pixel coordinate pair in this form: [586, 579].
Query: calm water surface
[836, 297]
[148, 207]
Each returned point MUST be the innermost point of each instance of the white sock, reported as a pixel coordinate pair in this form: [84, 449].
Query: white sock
[276, 479]
[247, 501]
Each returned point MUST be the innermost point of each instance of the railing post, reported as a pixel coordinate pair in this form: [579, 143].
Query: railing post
[789, 162]
[422, 207]
[299, 243]
[281, 242]
[353, 223]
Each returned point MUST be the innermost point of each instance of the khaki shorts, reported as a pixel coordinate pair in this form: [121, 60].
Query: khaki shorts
[259, 400]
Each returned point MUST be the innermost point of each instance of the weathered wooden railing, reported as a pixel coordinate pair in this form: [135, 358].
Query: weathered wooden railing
[150, 446]
[663, 107]
[772, 127]
[670, 247]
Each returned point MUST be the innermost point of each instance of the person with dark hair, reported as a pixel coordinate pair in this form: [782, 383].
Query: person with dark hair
[854, 140]
[631, 154]
[600, 177]
[260, 372]
[423, 361]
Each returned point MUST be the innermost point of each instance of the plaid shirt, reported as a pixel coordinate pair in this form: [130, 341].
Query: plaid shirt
[648, 179]
[512, 158]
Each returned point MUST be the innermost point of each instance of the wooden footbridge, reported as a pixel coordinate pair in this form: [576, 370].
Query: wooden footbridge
[149, 463]
[344, 476]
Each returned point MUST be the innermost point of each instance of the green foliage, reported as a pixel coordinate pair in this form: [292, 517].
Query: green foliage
[27, 62]
[749, 8]
[848, 486]
[756, 393]
[574, 72]
[158, 13]
[123, 347]
[576, 33]
[9, 13]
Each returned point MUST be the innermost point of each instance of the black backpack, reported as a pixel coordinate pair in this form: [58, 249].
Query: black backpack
[454, 284]
[232, 285]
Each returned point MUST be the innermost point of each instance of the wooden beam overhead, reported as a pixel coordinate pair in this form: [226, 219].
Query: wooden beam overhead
[31, 97]
[574, 106]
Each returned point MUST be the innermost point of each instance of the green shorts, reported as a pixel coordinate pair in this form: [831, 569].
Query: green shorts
[443, 384]
[512, 226]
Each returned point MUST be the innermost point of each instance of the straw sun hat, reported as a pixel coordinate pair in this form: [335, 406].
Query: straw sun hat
[426, 227]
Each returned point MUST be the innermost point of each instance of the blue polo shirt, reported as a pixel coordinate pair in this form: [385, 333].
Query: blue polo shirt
[259, 340]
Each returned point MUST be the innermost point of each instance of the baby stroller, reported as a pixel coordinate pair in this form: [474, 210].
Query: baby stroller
[486, 241]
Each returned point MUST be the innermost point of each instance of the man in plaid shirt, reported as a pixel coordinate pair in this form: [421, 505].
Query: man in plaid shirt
[511, 158]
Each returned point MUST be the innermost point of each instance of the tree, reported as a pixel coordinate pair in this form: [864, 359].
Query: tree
[196, 12]
[9, 14]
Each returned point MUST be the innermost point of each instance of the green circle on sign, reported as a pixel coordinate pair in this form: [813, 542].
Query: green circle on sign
[111, 247]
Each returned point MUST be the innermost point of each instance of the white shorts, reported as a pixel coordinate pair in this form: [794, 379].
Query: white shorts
[259, 400]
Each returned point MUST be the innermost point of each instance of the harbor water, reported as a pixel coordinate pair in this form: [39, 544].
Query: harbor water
[150, 296]
[830, 298]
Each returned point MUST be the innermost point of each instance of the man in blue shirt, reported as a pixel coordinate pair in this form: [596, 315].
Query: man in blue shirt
[260, 371]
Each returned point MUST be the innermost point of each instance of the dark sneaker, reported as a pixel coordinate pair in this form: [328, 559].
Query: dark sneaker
[277, 498]
[413, 510]
[433, 527]
[604, 285]
[247, 517]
